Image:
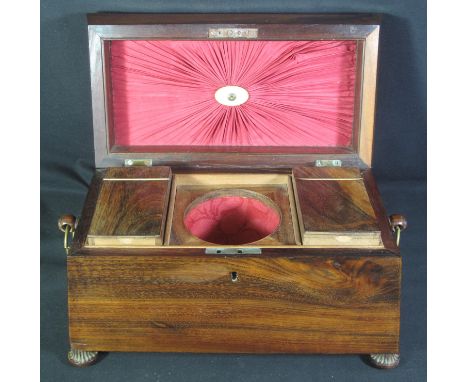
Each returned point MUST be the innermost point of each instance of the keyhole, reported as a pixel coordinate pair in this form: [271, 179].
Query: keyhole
[234, 277]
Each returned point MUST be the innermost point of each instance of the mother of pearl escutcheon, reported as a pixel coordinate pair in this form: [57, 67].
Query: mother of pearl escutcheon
[231, 95]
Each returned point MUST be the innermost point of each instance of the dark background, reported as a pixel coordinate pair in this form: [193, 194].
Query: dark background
[67, 164]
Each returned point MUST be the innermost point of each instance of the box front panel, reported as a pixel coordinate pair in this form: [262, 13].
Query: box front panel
[307, 304]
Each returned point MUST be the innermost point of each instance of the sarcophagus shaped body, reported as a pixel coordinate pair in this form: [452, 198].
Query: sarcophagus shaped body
[233, 207]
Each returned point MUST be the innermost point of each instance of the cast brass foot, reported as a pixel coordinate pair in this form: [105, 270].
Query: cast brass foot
[385, 360]
[82, 358]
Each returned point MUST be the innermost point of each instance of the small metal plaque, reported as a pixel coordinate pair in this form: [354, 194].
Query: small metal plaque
[233, 33]
[328, 163]
[233, 251]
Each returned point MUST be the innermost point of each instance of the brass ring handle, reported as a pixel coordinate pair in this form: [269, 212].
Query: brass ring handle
[398, 224]
[65, 239]
[67, 224]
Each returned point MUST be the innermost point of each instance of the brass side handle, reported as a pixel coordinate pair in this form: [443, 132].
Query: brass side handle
[67, 224]
[398, 223]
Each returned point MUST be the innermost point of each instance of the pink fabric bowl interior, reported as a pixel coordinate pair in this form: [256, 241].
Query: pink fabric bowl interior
[231, 220]
[301, 93]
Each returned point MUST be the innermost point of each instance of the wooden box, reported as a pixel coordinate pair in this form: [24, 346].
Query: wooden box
[245, 224]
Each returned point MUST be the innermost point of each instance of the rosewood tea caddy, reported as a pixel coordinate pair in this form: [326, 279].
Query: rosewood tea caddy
[233, 207]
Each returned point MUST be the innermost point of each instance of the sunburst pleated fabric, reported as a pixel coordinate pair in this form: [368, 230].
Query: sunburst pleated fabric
[301, 93]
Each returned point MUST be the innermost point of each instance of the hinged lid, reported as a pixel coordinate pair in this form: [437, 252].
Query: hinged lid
[240, 90]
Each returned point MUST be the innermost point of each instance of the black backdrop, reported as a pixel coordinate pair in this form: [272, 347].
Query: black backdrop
[67, 164]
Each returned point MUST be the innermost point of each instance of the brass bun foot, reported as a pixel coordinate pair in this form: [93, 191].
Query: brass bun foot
[385, 360]
[82, 358]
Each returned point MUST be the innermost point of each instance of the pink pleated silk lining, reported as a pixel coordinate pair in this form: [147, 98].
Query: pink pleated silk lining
[301, 93]
[232, 220]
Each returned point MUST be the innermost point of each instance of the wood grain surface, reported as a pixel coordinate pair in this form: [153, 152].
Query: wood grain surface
[335, 207]
[131, 207]
[307, 304]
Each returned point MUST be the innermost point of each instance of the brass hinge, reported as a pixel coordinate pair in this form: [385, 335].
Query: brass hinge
[138, 162]
[328, 163]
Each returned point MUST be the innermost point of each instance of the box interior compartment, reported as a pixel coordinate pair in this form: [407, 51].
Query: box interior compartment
[307, 207]
[232, 216]
[239, 121]
[271, 192]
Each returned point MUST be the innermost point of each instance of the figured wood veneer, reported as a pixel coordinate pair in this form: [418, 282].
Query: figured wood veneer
[131, 207]
[335, 208]
[300, 304]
